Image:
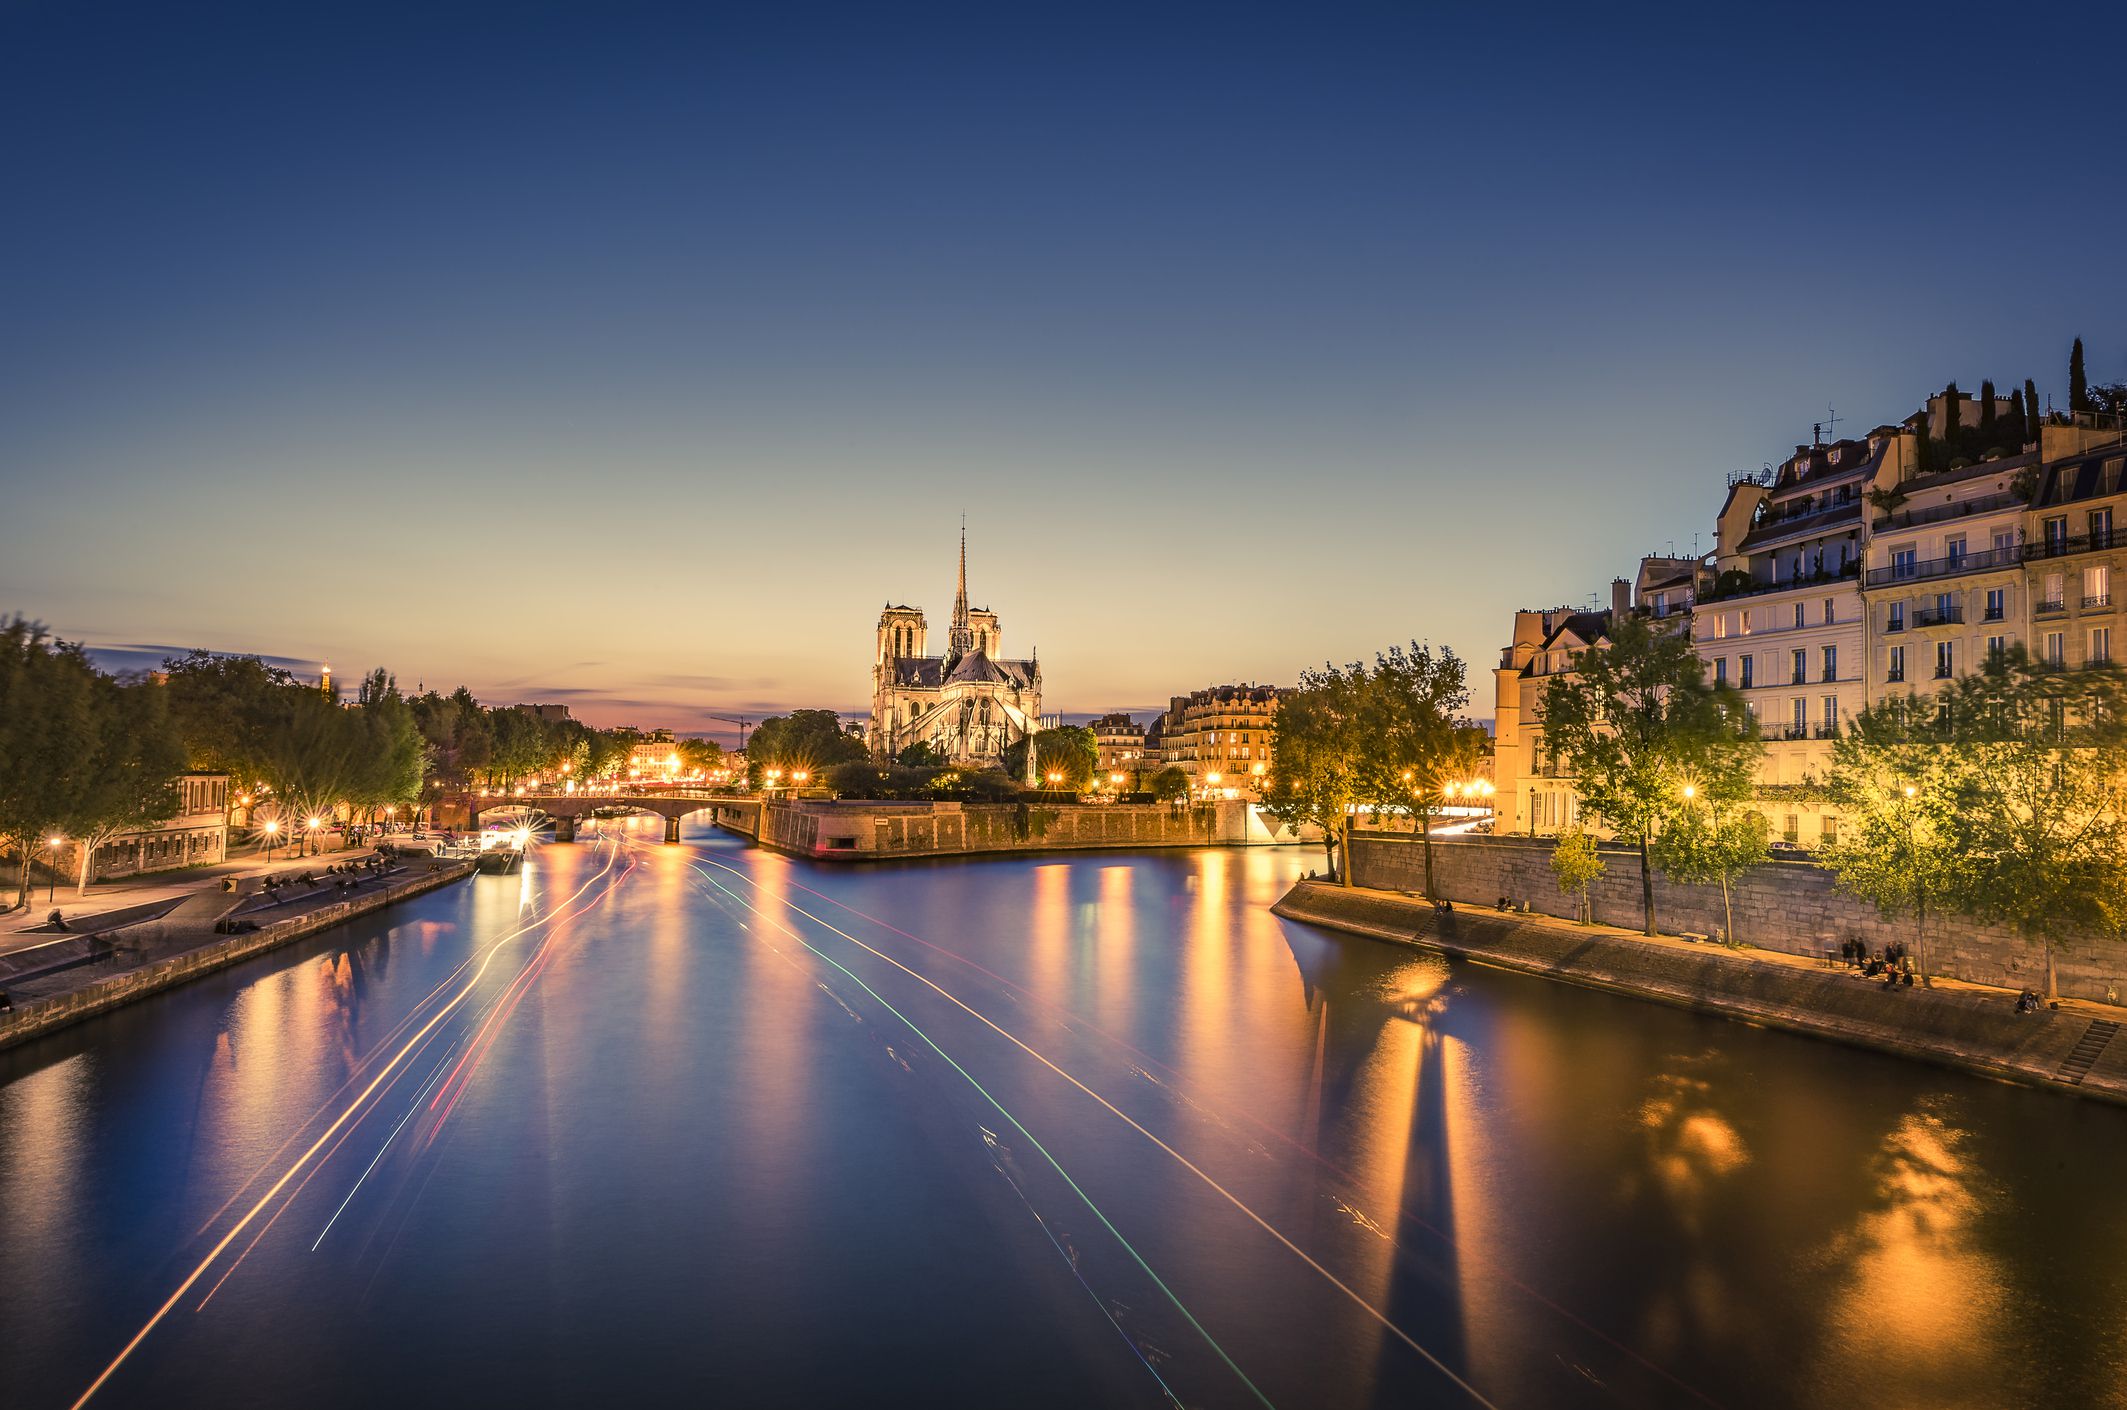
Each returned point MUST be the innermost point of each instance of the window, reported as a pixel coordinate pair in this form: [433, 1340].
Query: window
[1801, 667]
[1798, 716]
[2056, 593]
[1828, 830]
[1831, 713]
[1661, 604]
[1955, 551]
[1830, 615]
[1895, 667]
[1945, 607]
[1897, 618]
[1720, 625]
[2056, 649]
[1746, 621]
[2100, 646]
[1799, 615]
[2004, 546]
[2101, 521]
[2097, 586]
[1945, 660]
[1831, 663]
[1793, 829]
[1746, 672]
[2056, 534]
[1997, 647]
[1720, 670]
[1903, 562]
[1997, 603]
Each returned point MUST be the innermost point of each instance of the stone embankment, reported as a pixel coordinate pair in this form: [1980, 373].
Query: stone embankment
[2080, 1049]
[871, 831]
[92, 974]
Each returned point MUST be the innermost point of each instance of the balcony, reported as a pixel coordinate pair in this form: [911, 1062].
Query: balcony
[2068, 545]
[1895, 624]
[1992, 614]
[1942, 673]
[1895, 677]
[1939, 616]
[2049, 606]
[1820, 578]
[2095, 600]
[1978, 562]
[1827, 731]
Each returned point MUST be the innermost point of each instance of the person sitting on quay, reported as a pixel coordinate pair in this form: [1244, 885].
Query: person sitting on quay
[56, 921]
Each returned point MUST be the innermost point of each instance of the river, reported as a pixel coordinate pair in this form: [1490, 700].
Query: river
[651, 1124]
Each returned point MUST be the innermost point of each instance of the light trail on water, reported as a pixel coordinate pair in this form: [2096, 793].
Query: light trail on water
[1175, 1082]
[479, 962]
[1358, 1299]
[1034, 1141]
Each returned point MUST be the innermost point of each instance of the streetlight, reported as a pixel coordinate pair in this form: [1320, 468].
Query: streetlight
[54, 842]
[311, 827]
[797, 779]
[1920, 899]
[272, 829]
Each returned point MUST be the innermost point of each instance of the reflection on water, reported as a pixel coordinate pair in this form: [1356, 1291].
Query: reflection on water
[663, 1123]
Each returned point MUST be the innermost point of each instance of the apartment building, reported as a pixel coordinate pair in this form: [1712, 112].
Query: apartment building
[1220, 737]
[1945, 582]
[2076, 555]
[1119, 744]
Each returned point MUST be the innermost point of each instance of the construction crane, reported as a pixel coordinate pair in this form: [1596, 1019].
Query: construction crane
[742, 722]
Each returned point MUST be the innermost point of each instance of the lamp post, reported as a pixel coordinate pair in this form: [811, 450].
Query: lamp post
[53, 844]
[272, 831]
[310, 829]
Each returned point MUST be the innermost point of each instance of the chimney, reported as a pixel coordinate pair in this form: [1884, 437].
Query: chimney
[1620, 598]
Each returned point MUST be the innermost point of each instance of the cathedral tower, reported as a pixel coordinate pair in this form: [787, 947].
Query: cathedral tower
[962, 640]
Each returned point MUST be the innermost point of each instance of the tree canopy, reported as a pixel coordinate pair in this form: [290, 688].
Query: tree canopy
[1636, 722]
[809, 741]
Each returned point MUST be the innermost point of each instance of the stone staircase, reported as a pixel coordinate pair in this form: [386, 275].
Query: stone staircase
[2087, 1050]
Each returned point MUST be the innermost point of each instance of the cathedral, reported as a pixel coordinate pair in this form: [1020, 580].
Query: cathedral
[970, 702]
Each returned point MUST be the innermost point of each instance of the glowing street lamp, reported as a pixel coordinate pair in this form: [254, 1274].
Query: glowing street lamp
[54, 843]
[272, 831]
[798, 778]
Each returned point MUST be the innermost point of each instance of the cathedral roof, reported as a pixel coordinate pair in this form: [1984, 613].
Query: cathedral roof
[977, 668]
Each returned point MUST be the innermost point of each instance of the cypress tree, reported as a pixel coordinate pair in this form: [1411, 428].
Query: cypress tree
[2031, 411]
[2017, 435]
[1952, 416]
[1987, 428]
[2078, 384]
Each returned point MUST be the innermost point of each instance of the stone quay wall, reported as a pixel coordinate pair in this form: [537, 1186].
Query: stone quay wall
[2066, 1050]
[870, 832]
[1791, 906]
[34, 1017]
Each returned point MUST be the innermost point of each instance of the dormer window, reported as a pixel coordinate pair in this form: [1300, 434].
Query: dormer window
[1834, 455]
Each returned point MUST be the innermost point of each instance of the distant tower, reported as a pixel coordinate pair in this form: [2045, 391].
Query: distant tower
[325, 679]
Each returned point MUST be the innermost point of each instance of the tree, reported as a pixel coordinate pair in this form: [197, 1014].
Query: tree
[923, 754]
[1577, 864]
[1417, 745]
[123, 781]
[2032, 418]
[804, 741]
[703, 756]
[1952, 417]
[1636, 722]
[1318, 748]
[2078, 382]
[2017, 431]
[1070, 750]
[1713, 840]
[1169, 785]
[1900, 791]
[47, 730]
[1987, 427]
[2041, 760]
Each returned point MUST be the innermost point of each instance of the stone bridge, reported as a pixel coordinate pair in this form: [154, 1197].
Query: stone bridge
[734, 811]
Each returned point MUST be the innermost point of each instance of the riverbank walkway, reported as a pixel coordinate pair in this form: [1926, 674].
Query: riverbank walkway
[2078, 1046]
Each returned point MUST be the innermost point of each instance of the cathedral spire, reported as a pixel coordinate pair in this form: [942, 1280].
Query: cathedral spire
[962, 639]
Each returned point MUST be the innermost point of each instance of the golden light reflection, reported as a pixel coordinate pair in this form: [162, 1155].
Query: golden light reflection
[1914, 1261]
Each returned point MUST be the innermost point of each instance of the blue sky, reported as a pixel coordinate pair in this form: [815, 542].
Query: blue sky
[636, 355]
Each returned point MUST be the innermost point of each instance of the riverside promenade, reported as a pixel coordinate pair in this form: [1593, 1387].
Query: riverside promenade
[2079, 1048]
[225, 915]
